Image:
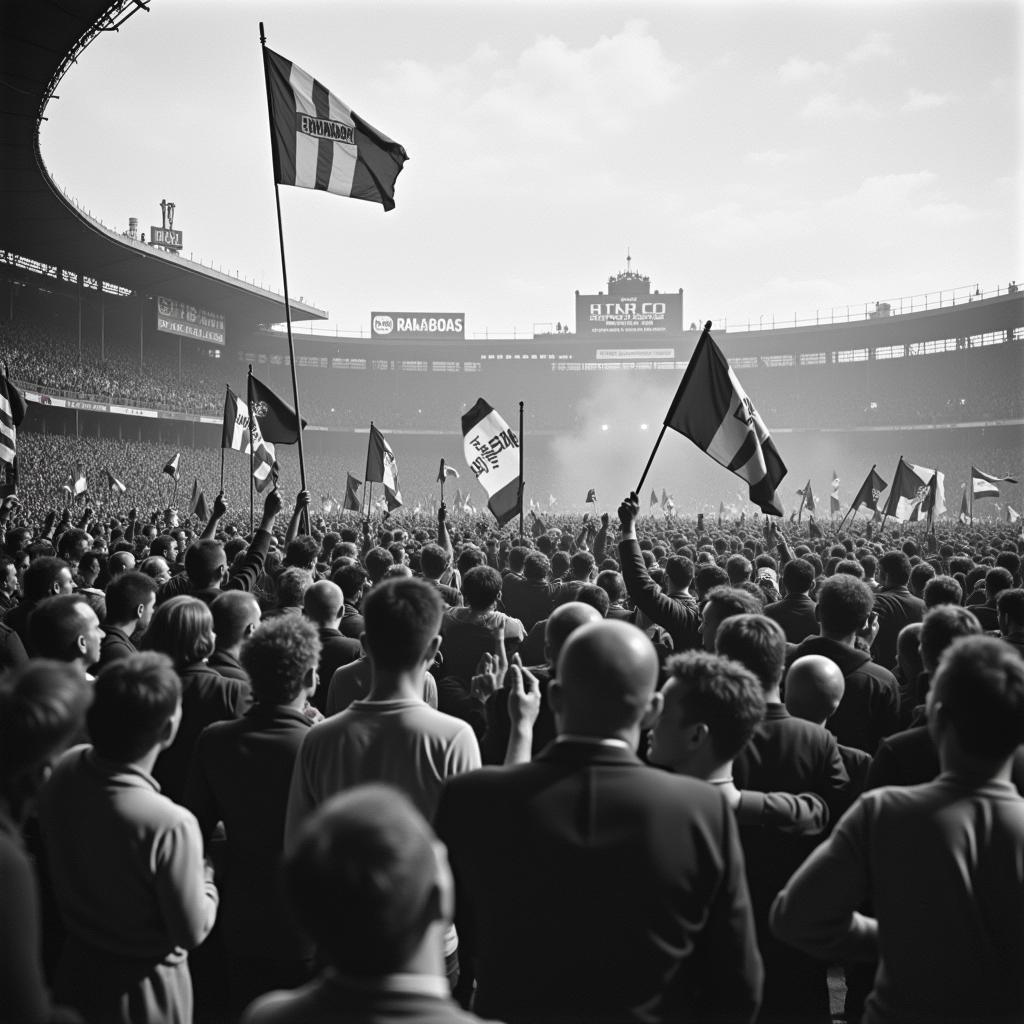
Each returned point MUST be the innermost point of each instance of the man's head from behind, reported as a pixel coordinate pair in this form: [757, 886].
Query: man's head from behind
[236, 615]
[711, 707]
[206, 563]
[281, 658]
[323, 603]
[844, 605]
[402, 620]
[606, 677]
[895, 569]
[942, 590]
[136, 707]
[939, 628]
[131, 598]
[721, 604]
[814, 688]
[977, 701]
[758, 644]
[1010, 609]
[367, 879]
[562, 622]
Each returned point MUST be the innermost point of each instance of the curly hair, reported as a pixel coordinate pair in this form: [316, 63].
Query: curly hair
[278, 657]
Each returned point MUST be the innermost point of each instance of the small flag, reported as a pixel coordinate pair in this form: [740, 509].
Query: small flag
[670, 505]
[236, 435]
[551, 501]
[664, 497]
[654, 498]
[964, 512]
[68, 485]
[591, 498]
[721, 512]
[381, 467]
[713, 411]
[202, 511]
[491, 449]
[833, 498]
[352, 485]
[1012, 515]
[446, 471]
[277, 419]
[171, 469]
[318, 142]
[808, 495]
[12, 412]
[194, 500]
[870, 491]
[814, 529]
[458, 498]
[80, 485]
[983, 485]
[113, 484]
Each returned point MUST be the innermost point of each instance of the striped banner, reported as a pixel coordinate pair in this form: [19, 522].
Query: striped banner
[492, 452]
[319, 142]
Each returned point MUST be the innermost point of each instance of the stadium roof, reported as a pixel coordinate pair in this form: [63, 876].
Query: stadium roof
[39, 40]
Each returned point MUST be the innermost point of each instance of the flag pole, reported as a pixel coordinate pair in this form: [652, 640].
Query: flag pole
[972, 497]
[647, 468]
[222, 447]
[522, 483]
[284, 271]
[252, 454]
[368, 484]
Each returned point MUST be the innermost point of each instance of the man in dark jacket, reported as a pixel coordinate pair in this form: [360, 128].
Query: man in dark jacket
[323, 604]
[870, 708]
[236, 615]
[895, 606]
[795, 612]
[130, 601]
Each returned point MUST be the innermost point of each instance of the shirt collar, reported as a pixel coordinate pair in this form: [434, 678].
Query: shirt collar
[592, 741]
[400, 984]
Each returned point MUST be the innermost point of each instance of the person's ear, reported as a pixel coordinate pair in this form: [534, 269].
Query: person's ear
[697, 734]
[432, 648]
[81, 643]
[140, 611]
[311, 680]
[654, 709]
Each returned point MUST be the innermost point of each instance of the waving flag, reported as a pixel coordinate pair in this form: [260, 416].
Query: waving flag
[713, 411]
[983, 485]
[381, 467]
[276, 418]
[870, 491]
[491, 449]
[833, 498]
[171, 469]
[591, 498]
[446, 471]
[911, 489]
[808, 497]
[352, 485]
[964, 513]
[113, 484]
[236, 436]
[319, 142]
[79, 483]
[12, 412]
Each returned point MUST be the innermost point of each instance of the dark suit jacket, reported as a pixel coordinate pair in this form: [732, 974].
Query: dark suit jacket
[677, 616]
[795, 614]
[896, 607]
[116, 645]
[529, 601]
[227, 665]
[240, 774]
[593, 888]
[336, 650]
[12, 650]
[494, 742]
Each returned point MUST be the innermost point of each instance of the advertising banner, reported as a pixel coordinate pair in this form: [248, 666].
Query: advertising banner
[641, 315]
[187, 321]
[417, 326]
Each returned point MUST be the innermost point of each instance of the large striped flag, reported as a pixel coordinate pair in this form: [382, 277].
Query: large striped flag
[319, 142]
[713, 411]
[911, 489]
[236, 437]
[492, 452]
[983, 485]
[381, 467]
[12, 412]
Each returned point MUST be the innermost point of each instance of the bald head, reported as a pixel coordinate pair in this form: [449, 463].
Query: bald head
[120, 562]
[566, 619]
[814, 688]
[236, 615]
[323, 602]
[606, 678]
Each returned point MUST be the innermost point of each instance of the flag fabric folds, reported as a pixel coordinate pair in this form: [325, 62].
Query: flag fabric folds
[352, 485]
[654, 498]
[446, 471]
[833, 498]
[382, 468]
[870, 491]
[319, 142]
[808, 497]
[910, 490]
[591, 498]
[79, 484]
[236, 435]
[194, 499]
[113, 484]
[964, 512]
[1012, 515]
[12, 412]
[983, 485]
[171, 469]
[202, 511]
[277, 419]
[713, 411]
[491, 449]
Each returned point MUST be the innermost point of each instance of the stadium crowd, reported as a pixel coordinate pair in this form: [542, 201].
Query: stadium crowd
[418, 767]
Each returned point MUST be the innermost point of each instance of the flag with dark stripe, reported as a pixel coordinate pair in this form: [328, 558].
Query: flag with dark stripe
[714, 412]
[12, 412]
[319, 142]
[492, 452]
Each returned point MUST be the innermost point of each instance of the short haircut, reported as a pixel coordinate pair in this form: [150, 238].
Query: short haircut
[481, 587]
[351, 579]
[181, 628]
[595, 596]
[940, 627]
[612, 583]
[203, 560]
[798, 576]
[738, 568]
[1010, 561]
[980, 682]
[291, 587]
[942, 590]
[844, 604]
[278, 657]
[850, 567]
[560, 564]
[42, 708]
[724, 695]
[536, 566]
[40, 577]
[679, 570]
[920, 575]
[734, 601]
[996, 581]
[895, 566]
[377, 561]
[161, 546]
[361, 879]
[469, 558]
[125, 593]
[433, 560]
[56, 624]
[1011, 604]
[231, 612]
[134, 698]
[582, 564]
[68, 541]
[151, 566]
[301, 552]
[402, 617]
[516, 558]
[756, 642]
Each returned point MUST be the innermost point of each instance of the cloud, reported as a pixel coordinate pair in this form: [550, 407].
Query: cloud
[918, 100]
[797, 69]
[876, 46]
[829, 106]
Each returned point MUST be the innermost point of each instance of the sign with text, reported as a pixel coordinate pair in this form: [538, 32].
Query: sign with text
[635, 353]
[167, 237]
[187, 321]
[418, 326]
[636, 315]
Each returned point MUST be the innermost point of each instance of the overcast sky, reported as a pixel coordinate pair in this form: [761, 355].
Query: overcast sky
[768, 158]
